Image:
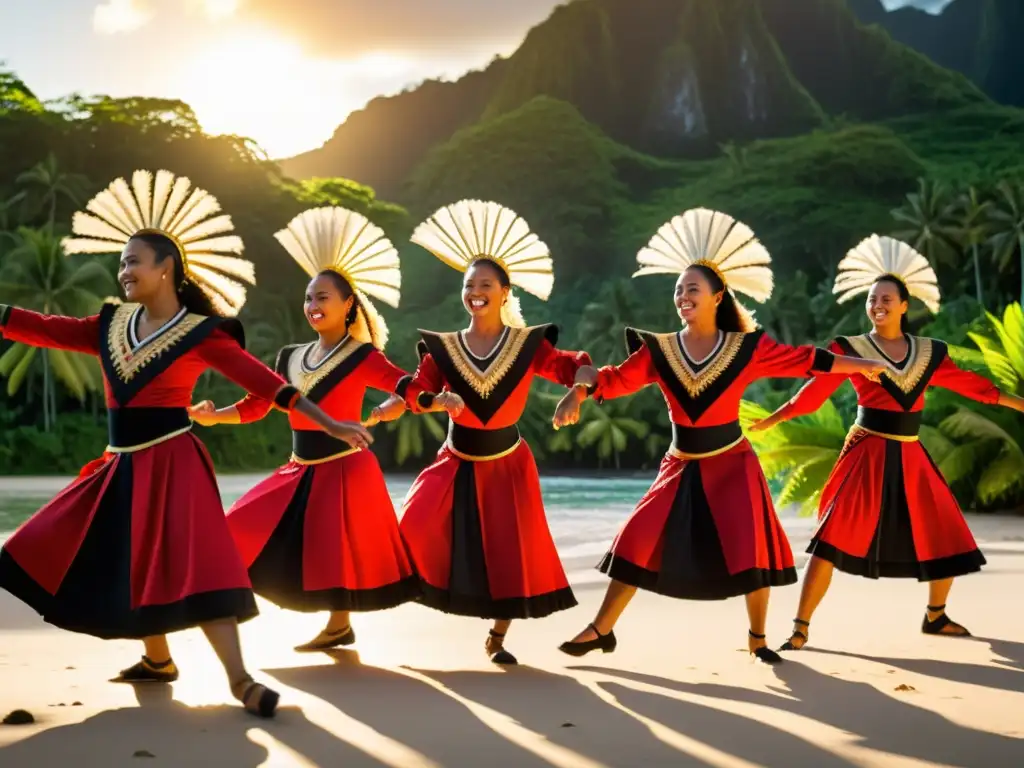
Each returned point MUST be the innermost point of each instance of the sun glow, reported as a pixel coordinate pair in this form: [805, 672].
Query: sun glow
[262, 86]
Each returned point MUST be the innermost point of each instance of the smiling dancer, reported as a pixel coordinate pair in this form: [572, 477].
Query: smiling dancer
[321, 533]
[138, 546]
[706, 530]
[474, 520]
[886, 511]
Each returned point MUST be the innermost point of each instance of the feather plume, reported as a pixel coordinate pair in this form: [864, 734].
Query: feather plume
[472, 229]
[187, 214]
[875, 256]
[700, 235]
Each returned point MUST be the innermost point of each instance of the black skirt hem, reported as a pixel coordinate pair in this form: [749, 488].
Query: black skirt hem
[922, 570]
[535, 607]
[134, 624]
[341, 599]
[734, 585]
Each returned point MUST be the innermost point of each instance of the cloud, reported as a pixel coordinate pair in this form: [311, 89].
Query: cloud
[349, 28]
[117, 16]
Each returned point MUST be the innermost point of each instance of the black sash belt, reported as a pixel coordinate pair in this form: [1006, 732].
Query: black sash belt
[898, 423]
[315, 445]
[132, 427]
[698, 440]
[482, 443]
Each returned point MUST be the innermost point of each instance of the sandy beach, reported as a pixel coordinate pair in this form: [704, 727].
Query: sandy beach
[417, 690]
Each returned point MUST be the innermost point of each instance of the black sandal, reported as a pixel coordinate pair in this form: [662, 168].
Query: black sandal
[501, 656]
[930, 627]
[788, 645]
[764, 653]
[333, 639]
[265, 705]
[148, 671]
[606, 643]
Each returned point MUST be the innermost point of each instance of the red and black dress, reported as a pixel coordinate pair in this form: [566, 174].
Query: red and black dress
[706, 529]
[886, 511]
[474, 520]
[321, 532]
[138, 545]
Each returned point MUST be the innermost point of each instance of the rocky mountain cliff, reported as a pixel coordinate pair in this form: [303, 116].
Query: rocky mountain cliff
[674, 78]
[979, 38]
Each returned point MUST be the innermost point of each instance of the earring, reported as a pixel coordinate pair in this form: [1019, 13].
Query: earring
[163, 276]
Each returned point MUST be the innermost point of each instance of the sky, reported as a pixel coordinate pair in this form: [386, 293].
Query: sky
[283, 72]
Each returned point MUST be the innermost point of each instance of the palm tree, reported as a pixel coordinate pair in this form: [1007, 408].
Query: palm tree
[800, 453]
[973, 230]
[928, 222]
[608, 429]
[1007, 218]
[50, 184]
[602, 321]
[36, 274]
[972, 445]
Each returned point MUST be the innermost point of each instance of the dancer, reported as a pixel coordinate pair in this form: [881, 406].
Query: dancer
[706, 530]
[474, 520]
[321, 532]
[137, 546]
[885, 511]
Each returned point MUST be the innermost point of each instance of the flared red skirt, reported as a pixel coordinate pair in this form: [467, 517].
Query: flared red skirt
[480, 541]
[706, 530]
[887, 512]
[324, 537]
[137, 545]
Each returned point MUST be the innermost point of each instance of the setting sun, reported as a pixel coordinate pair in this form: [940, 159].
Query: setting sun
[264, 87]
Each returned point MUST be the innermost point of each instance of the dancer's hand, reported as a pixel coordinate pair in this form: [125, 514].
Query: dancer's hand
[204, 413]
[451, 402]
[872, 370]
[352, 432]
[373, 419]
[586, 376]
[567, 412]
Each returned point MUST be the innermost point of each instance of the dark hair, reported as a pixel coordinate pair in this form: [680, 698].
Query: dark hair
[190, 295]
[901, 287]
[502, 274]
[345, 290]
[730, 316]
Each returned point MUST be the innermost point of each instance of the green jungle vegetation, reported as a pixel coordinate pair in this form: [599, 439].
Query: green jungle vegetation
[794, 117]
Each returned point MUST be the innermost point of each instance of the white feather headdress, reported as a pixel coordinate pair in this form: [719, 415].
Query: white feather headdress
[169, 206]
[875, 257]
[347, 243]
[714, 240]
[468, 230]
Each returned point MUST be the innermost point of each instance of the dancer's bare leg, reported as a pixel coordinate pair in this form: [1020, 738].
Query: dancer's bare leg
[817, 579]
[616, 598]
[938, 592]
[256, 698]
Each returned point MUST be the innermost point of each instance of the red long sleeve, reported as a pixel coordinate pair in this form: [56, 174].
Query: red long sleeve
[73, 334]
[631, 376]
[954, 378]
[224, 355]
[559, 366]
[252, 408]
[776, 360]
[381, 373]
[814, 393]
[424, 383]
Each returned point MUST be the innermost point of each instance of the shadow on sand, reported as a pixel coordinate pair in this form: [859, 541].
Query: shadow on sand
[404, 709]
[1007, 675]
[160, 727]
[879, 720]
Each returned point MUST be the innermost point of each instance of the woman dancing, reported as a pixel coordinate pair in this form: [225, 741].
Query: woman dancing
[885, 511]
[474, 520]
[137, 546]
[706, 530]
[320, 534]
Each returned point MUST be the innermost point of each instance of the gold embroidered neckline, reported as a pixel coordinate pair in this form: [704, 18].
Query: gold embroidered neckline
[127, 361]
[919, 356]
[483, 382]
[695, 382]
[304, 379]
